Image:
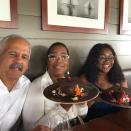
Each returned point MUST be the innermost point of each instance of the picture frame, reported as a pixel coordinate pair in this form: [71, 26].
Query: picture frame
[11, 13]
[52, 20]
[125, 17]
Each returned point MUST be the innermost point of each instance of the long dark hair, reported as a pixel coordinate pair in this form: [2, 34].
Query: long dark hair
[90, 69]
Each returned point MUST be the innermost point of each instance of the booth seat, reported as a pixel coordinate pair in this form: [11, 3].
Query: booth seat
[127, 73]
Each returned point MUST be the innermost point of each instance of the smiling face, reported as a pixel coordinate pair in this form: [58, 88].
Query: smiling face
[14, 60]
[105, 60]
[58, 61]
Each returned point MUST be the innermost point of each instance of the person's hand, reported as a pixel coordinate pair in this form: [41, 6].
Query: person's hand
[123, 84]
[41, 128]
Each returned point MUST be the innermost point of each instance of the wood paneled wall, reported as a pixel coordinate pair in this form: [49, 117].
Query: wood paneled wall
[29, 26]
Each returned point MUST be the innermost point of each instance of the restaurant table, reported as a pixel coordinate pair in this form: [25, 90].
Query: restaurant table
[119, 121]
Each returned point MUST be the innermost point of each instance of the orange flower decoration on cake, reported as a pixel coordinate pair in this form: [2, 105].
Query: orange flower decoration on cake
[78, 91]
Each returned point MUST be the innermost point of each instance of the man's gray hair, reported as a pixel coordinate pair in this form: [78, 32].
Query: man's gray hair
[4, 41]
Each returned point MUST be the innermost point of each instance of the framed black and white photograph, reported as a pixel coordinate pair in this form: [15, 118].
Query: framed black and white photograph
[8, 11]
[86, 16]
[76, 8]
[125, 17]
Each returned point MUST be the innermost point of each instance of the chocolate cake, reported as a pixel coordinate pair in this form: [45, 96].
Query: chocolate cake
[71, 90]
[71, 87]
[116, 95]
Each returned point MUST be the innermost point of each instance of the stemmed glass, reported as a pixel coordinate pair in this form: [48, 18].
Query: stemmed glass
[57, 122]
[63, 123]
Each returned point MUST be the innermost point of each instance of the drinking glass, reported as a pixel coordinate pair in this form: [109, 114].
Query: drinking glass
[63, 123]
[56, 121]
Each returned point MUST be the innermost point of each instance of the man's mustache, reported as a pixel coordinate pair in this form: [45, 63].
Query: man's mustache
[16, 66]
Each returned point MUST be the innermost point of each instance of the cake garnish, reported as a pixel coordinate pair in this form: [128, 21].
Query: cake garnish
[78, 91]
[70, 88]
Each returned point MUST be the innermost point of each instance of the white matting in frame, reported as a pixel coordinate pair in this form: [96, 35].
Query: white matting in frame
[126, 8]
[5, 14]
[62, 20]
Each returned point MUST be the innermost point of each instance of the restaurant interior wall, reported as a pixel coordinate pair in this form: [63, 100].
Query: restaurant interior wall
[29, 26]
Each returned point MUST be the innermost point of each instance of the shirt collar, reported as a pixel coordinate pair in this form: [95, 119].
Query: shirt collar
[3, 87]
[20, 82]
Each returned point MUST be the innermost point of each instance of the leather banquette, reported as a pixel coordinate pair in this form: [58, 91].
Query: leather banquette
[127, 73]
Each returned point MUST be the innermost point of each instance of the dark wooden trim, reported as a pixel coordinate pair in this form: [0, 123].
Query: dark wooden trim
[45, 25]
[121, 18]
[126, 70]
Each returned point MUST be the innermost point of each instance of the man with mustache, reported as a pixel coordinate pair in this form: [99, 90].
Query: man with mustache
[14, 60]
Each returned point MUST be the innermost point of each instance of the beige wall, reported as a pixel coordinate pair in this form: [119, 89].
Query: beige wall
[29, 26]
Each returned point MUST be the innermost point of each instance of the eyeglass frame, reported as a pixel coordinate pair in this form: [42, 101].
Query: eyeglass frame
[54, 57]
[105, 58]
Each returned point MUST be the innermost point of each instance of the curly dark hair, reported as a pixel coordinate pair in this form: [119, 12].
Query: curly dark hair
[90, 69]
